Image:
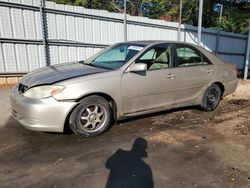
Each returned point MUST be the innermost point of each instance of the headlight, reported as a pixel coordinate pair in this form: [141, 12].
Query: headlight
[41, 92]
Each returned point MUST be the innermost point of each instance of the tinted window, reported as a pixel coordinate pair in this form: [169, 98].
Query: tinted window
[205, 60]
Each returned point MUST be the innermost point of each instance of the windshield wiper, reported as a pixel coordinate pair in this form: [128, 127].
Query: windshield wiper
[83, 62]
[89, 64]
[93, 65]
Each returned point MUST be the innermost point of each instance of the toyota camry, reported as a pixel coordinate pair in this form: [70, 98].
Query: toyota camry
[123, 80]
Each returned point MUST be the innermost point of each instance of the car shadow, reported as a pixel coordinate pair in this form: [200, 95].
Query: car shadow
[128, 169]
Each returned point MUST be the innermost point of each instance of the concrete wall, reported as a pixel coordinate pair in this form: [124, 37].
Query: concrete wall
[9, 80]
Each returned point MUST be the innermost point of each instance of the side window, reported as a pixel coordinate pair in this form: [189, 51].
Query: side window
[205, 60]
[158, 57]
[149, 55]
[189, 57]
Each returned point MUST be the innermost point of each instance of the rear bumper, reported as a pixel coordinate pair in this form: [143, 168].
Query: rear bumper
[40, 114]
[230, 87]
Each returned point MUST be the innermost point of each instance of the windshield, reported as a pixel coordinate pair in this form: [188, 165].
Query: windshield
[115, 56]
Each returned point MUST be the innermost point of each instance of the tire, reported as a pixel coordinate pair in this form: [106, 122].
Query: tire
[91, 117]
[211, 98]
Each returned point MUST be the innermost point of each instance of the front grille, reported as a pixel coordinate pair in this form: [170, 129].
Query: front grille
[22, 88]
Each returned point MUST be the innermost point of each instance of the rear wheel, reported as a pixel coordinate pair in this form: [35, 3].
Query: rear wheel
[91, 117]
[211, 98]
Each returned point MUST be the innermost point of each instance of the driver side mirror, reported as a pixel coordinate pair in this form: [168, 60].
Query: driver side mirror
[138, 67]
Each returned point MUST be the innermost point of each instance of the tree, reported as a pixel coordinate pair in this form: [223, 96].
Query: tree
[236, 13]
[94, 4]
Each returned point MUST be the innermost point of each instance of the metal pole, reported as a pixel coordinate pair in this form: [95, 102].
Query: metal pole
[218, 34]
[247, 54]
[125, 21]
[200, 21]
[44, 32]
[221, 9]
[217, 43]
[180, 17]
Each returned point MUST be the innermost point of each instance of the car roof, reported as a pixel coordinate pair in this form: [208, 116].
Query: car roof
[210, 55]
[150, 42]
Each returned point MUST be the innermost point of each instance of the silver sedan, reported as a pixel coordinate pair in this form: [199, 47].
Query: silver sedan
[123, 80]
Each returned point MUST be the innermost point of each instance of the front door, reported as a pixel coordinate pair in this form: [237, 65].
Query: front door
[154, 88]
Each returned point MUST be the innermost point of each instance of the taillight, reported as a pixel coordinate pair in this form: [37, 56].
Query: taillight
[236, 70]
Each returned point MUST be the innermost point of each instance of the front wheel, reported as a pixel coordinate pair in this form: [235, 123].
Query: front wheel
[91, 117]
[211, 98]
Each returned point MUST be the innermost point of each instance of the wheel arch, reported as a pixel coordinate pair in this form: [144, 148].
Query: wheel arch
[110, 100]
[221, 86]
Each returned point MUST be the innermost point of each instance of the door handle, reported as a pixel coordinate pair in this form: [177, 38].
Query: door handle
[170, 76]
[210, 71]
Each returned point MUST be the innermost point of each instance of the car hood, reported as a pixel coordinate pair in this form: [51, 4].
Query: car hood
[57, 73]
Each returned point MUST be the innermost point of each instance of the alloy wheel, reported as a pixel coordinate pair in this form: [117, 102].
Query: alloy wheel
[92, 118]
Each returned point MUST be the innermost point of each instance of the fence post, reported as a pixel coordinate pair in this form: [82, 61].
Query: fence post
[125, 20]
[44, 32]
[179, 25]
[247, 54]
[200, 21]
[217, 45]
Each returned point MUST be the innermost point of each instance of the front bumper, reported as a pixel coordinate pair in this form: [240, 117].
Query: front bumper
[40, 114]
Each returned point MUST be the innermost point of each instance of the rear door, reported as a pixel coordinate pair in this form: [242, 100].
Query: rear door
[195, 72]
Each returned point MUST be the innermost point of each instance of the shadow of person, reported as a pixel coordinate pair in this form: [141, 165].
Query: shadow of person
[128, 170]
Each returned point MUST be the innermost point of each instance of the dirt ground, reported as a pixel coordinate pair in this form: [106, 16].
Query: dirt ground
[185, 148]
